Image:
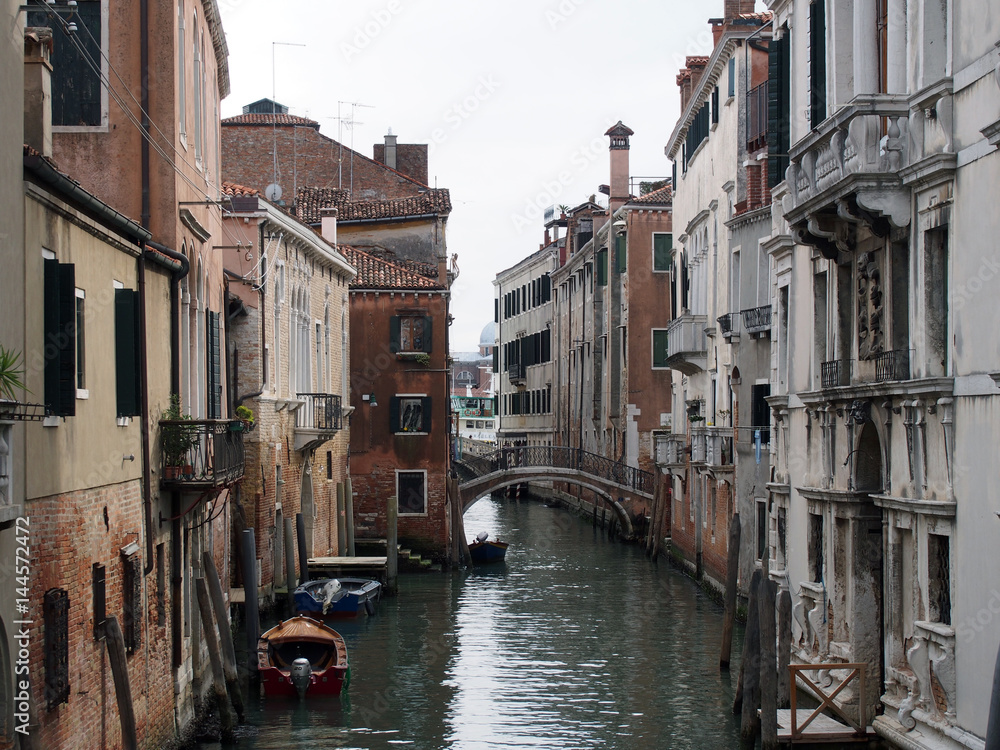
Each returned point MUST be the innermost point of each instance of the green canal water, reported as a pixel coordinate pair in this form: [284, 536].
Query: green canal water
[575, 642]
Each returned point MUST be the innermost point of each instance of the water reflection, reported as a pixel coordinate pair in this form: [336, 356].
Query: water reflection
[574, 642]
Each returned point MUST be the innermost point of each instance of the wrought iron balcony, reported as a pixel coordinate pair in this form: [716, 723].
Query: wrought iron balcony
[892, 365]
[729, 325]
[835, 373]
[687, 348]
[319, 419]
[757, 320]
[201, 454]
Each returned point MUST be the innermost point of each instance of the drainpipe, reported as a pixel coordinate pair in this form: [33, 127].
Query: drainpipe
[177, 623]
[144, 218]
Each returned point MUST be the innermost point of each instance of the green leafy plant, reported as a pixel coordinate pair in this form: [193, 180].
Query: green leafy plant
[177, 439]
[244, 413]
[696, 418]
[422, 359]
[11, 373]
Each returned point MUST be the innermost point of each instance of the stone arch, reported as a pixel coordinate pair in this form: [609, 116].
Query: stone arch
[868, 474]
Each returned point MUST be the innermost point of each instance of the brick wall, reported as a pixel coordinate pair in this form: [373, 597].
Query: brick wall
[305, 158]
[69, 534]
[411, 159]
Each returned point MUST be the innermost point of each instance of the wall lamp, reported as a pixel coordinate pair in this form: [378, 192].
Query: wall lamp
[370, 398]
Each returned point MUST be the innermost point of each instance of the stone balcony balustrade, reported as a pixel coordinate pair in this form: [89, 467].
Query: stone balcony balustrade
[687, 346]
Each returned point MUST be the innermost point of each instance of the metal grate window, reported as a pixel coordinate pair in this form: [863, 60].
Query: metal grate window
[55, 610]
[131, 600]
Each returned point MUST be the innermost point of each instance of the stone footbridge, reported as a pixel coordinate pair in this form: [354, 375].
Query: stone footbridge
[482, 474]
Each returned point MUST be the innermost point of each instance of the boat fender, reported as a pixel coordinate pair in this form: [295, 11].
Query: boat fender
[370, 607]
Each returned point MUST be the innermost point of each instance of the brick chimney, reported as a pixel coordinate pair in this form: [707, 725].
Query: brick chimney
[736, 8]
[390, 150]
[619, 147]
[38, 89]
[328, 224]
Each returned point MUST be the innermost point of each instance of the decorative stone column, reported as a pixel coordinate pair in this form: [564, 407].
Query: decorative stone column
[865, 48]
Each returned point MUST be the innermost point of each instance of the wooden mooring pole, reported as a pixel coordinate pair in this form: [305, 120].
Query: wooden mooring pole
[784, 648]
[349, 516]
[225, 632]
[732, 576]
[115, 642]
[768, 676]
[249, 567]
[391, 545]
[749, 674]
[300, 537]
[215, 657]
[290, 565]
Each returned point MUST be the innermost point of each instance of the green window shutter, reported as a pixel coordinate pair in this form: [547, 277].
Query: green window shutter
[546, 288]
[60, 338]
[394, 414]
[428, 334]
[127, 345]
[662, 246]
[214, 367]
[621, 254]
[425, 415]
[394, 334]
[778, 94]
[602, 267]
[817, 62]
[732, 77]
[660, 348]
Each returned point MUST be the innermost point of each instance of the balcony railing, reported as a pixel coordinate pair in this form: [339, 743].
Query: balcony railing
[699, 445]
[687, 348]
[670, 449]
[757, 117]
[729, 325]
[835, 373]
[757, 320]
[892, 365]
[197, 454]
[321, 411]
[719, 447]
[515, 372]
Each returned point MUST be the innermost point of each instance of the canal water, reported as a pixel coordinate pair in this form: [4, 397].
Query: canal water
[575, 641]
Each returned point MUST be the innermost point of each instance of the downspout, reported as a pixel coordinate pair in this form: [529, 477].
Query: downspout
[147, 491]
[175, 498]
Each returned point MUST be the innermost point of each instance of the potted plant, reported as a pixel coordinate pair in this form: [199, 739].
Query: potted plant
[11, 376]
[177, 440]
[244, 420]
[696, 418]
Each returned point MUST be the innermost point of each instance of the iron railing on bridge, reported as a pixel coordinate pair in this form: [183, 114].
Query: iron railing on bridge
[560, 457]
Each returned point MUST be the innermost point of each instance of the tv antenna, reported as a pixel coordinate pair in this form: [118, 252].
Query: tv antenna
[350, 122]
[274, 188]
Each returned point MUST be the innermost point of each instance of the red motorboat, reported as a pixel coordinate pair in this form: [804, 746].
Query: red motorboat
[302, 657]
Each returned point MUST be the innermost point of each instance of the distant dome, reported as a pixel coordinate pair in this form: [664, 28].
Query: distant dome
[489, 334]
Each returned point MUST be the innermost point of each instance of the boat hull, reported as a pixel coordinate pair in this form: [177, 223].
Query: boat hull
[487, 552]
[278, 682]
[302, 653]
[357, 596]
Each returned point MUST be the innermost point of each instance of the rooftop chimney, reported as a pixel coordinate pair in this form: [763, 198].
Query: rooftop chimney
[390, 150]
[619, 147]
[328, 224]
[734, 8]
[38, 89]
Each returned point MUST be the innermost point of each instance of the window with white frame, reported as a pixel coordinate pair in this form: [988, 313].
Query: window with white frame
[411, 492]
[81, 344]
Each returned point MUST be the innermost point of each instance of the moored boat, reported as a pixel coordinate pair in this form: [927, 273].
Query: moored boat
[484, 551]
[337, 597]
[302, 656]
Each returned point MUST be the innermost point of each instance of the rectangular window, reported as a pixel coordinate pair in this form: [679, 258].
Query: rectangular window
[697, 131]
[411, 492]
[621, 254]
[761, 411]
[214, 367]
[127, 350]
[815, 548]
[329, 464]
[602, 267]
[761, 528]
[59, 346]
[410, 414]
[131, 601]
[77, 92]
[660, 348]
[80, 317]
[663, 245]
[99, 589]
[55, 610]
[817, 62]
[715, 106]
[410, 333]
[939, 578]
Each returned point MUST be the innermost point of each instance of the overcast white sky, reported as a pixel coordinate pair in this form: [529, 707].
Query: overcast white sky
[513, 98]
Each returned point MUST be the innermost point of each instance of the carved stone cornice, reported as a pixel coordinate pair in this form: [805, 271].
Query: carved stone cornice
[918, 507]
[923, 387]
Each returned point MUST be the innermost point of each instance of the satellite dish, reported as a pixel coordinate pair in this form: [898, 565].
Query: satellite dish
[273, 192]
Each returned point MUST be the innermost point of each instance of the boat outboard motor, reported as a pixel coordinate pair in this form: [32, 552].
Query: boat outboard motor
[482, 536]
[301, 676]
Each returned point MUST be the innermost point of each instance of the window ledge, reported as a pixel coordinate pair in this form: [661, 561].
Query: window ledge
[52, 421]
[417, 434]
[82, 393]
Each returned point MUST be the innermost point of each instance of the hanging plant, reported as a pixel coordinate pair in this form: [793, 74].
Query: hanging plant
[11, 374]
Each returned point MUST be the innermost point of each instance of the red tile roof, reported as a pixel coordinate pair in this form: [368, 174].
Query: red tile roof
[663, 196]
[232, 188]
[311, 200]
[270, 119]
[378, 273]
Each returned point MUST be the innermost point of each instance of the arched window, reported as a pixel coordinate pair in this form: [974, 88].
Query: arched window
[279, 295]
[327, 383]
[202, 109]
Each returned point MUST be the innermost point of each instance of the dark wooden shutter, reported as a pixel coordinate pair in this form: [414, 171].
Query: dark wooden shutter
[715, 105]
[428, 335]
[621, 255]
[214, 367]
[100, 601]
[602, 267]
[55, 610]
[127, 347]
[817, 62]
[394, 334]
[132, 601]
[760, 411]
[426, 414]
[60, 338]
[546, 345]
[394, 414]
[546, 288]
[777, 109]
[496, 310]
[662, 245]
